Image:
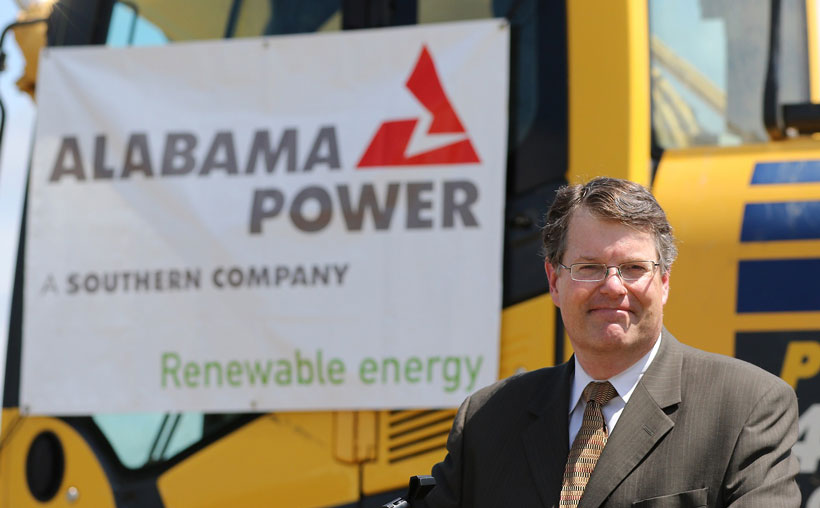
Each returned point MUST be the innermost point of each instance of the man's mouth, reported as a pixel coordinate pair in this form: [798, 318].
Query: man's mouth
[611, 310]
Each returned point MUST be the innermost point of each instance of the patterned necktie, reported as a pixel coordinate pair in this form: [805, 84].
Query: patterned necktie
[588, 444]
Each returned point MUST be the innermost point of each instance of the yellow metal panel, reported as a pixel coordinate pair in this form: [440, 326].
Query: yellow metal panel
[203, 19]
[770, 321]
[609, 132]
[568, 351]
[183, 21]
[432, 437]
[403, 422]
[280, 459]
[31, 39]
[527, 336]
[437, 433]
[436, 11]
[763, 250]
[344, 429]
[82, 470]
[354, 436]
[703, 198]
[253, 17]
[704, 192]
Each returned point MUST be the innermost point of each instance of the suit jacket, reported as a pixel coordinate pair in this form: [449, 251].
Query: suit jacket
[700, 429]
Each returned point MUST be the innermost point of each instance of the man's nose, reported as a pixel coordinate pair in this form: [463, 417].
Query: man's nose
[612, 281]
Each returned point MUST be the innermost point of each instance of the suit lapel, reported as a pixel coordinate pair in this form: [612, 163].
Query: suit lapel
[546, 438]
[642, 424]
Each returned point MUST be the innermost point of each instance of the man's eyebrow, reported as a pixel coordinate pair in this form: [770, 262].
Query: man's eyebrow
[587, 259]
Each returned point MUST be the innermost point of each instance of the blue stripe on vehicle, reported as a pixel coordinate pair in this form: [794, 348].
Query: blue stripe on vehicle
[778, 285]
[794, 220]
[786, 172]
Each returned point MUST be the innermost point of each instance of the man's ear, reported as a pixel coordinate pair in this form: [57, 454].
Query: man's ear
[552, 278]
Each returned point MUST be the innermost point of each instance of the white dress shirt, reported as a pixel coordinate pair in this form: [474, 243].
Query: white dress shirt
[624, 383]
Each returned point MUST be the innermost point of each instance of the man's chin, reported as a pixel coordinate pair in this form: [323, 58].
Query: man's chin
[612, 334]
[612, 324]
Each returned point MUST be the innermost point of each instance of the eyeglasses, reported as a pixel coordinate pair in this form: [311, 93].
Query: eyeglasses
[596, 272]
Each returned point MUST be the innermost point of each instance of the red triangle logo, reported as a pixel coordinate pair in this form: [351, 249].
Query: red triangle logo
[389, 147]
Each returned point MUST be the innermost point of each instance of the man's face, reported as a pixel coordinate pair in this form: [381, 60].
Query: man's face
[610, 318]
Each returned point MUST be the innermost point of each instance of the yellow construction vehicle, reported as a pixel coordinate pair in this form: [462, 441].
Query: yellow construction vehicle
[712, 106]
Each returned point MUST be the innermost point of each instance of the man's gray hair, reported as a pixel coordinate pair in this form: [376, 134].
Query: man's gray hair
[612, 199]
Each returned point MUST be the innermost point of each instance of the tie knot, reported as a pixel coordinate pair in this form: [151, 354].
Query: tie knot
[599, 392]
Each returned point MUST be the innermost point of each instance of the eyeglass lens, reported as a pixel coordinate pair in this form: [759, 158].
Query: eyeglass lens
[592, 272]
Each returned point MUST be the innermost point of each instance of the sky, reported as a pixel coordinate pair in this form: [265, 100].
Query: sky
[14, 155]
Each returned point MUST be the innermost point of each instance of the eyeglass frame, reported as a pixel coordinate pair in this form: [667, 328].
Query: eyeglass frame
[606, 274]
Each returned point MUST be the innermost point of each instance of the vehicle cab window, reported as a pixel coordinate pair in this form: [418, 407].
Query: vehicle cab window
[708, 69]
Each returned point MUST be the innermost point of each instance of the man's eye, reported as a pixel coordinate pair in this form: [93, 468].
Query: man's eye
[587, 268]
[634, 267]
[634, 270]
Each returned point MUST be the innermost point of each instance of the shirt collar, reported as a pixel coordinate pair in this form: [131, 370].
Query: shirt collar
[624, 382]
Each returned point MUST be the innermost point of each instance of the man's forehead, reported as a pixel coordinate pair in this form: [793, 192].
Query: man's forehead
[586, 229]
[583, 213]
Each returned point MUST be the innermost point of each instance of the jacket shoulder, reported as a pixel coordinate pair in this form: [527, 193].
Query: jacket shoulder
[515, 393]
[727, 373]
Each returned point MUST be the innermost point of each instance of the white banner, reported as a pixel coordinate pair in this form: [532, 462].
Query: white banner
[300, 222]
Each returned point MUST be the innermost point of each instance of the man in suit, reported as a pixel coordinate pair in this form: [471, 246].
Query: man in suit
[673, 426]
